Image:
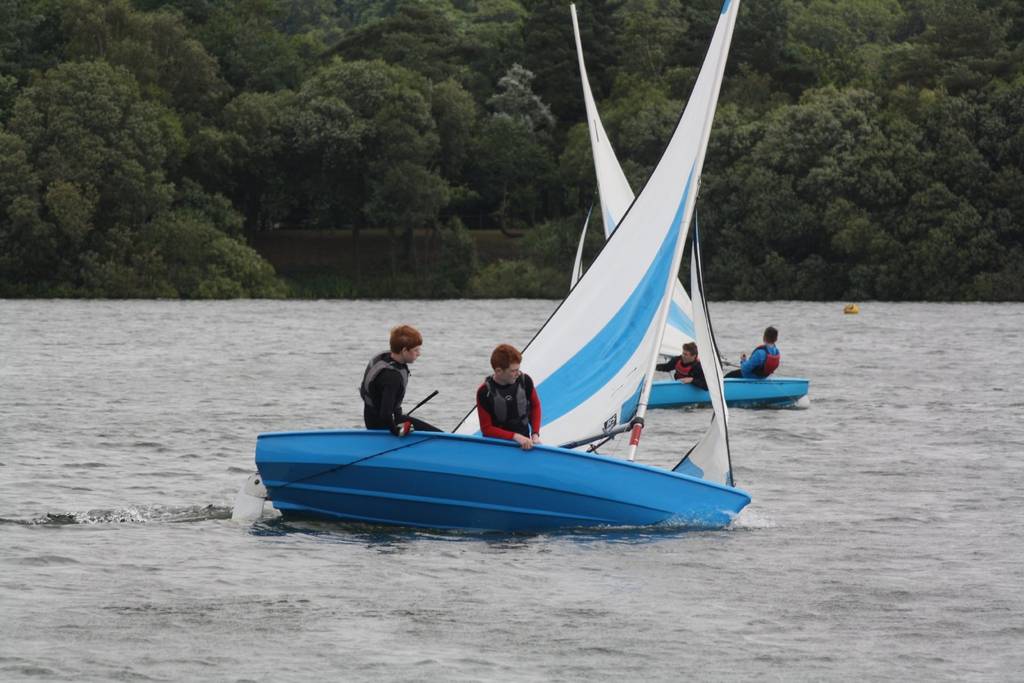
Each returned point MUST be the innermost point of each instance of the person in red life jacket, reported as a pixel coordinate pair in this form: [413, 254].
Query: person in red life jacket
[385, 380]
[686, 368]
[763, 360]
[507, 403]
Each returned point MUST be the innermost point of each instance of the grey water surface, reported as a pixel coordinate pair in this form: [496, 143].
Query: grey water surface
[885, 538]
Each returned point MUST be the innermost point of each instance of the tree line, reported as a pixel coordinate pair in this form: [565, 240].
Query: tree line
[862, 148]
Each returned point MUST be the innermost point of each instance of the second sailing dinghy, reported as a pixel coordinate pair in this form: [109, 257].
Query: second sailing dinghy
[615, 196]
[592, 364]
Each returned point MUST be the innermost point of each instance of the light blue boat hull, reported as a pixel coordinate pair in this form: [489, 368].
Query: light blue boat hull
[740, 393]
[450, 481]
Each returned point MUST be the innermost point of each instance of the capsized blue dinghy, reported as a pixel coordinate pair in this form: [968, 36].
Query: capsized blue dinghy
[592, 364]
[739, 393]
[450, 481]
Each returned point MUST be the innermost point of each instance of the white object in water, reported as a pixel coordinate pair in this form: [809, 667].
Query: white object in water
[250, 499]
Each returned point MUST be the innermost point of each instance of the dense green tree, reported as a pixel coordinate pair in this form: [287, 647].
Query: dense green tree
[352, 116]
[454, 267]
[455, 114]
[839, 36]
[508, 160]
[155, 47]
[85, 124]
[653, 32]
[182, 253]
[252, 52]
[864, 148]
[419, 36]
[93, 211]
[251, 157]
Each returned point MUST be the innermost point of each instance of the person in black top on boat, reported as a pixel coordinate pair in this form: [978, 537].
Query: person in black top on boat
[686, 367]
[385, 380]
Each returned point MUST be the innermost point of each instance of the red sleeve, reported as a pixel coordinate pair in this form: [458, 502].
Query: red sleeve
[487, 427]
[534, 411]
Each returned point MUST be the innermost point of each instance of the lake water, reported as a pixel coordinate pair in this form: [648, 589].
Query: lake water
[885, 539]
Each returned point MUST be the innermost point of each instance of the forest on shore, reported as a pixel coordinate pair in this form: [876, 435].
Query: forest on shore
[862, 149]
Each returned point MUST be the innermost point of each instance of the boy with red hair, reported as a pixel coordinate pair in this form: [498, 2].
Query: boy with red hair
[507, 403]
[385, 380]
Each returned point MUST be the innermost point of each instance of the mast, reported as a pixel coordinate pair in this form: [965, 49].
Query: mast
[732, 7]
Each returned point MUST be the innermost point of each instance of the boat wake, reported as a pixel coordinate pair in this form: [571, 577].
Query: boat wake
[146, 514]
[752, 520]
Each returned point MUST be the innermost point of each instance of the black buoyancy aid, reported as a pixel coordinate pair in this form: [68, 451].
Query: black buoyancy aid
[685, 370]
[509, 404]
[378, 364]
[771, 362]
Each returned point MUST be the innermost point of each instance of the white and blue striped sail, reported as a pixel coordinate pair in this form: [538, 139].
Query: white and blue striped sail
[709, 458]
[616, 195]
[593, 359]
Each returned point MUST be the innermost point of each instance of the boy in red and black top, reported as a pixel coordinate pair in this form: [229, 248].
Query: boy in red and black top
[686, 368]
[507, 403]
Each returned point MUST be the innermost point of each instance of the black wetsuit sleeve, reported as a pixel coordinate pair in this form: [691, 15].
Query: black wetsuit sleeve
[668, 365]
[698, 377]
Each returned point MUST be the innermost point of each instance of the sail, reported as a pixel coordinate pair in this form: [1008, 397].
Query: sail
[614, 191]
[616, 195]
[591, 360]
[709, 458]
[577, 266]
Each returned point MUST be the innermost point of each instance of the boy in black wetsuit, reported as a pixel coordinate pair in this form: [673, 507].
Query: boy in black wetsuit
[384, 383]
[686, 368]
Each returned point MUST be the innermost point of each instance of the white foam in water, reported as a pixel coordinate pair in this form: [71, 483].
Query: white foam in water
[135, 515]
[752, 519]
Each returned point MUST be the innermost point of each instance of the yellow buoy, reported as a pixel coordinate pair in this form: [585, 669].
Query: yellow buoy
[851, 309]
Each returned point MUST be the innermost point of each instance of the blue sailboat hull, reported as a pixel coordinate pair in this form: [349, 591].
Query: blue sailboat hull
[451, 481]
[741, 393]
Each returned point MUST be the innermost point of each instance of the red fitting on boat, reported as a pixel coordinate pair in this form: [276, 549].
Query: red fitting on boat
[634, 436]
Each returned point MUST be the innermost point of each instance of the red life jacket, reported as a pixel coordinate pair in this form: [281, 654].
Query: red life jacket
[684, 370]
[771, 362]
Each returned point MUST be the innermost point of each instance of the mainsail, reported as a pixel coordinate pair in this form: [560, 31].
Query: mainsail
[592, 360]
[709, 458]
[615, 196]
